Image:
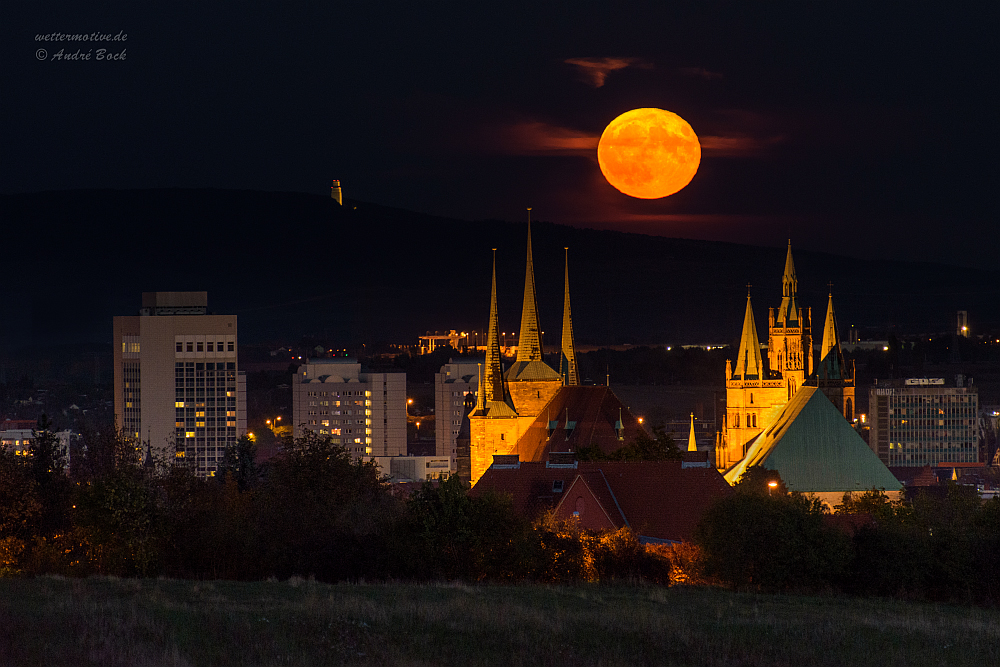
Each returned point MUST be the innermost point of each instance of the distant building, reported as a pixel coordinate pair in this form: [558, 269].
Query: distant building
[661, 501]
[402, 469]
[176, 380]
[18, 441]
[456, 380]
[923, 422]
[364, 412]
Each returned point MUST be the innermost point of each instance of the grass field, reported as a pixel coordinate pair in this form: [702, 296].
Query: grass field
[55, 621]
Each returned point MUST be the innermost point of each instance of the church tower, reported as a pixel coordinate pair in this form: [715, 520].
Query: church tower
[752, 399]
[531, 382]
[493, 425]
[789, 345]
[833, 377]
[567, 356]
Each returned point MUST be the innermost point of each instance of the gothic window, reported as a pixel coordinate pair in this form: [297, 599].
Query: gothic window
[755, 421]
[748, 420]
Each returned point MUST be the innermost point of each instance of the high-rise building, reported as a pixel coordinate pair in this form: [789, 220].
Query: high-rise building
[177, 383]
[923, 422]
[456, 380]
[364, 412]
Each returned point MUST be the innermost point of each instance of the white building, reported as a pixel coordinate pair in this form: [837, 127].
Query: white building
[19, 440]
[177, 384]
[416, 468]
[364, 412]
[452, 384]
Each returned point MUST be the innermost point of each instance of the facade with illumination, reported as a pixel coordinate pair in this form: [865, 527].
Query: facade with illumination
[364, 412]
[177, 385]
[922, 422]
[455, 381]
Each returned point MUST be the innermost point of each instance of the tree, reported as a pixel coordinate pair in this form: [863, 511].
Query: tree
[778, 542]
[239, 462]
[47, 465]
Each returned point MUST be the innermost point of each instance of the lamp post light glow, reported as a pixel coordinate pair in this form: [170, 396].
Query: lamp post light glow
[771, 486]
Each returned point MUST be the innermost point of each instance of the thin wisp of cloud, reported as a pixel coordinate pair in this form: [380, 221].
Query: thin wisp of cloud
[595, 70]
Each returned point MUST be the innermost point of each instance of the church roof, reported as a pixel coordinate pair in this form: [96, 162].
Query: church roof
[531, 370]
[656, 499]
[815, 450]
[578, 416]
[749, 365]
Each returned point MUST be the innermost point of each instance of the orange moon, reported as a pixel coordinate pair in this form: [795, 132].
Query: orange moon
[649, 153]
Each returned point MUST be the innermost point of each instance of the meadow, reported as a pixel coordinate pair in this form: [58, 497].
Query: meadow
[109, 621]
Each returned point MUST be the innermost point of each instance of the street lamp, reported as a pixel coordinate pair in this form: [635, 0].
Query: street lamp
[771, 486]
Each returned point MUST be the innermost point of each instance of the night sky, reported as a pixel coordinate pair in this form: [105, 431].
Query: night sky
[865, 129]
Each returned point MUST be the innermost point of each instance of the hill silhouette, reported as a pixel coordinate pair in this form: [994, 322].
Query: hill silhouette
[293, 264]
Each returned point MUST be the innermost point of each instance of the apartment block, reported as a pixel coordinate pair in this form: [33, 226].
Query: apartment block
[364, 412]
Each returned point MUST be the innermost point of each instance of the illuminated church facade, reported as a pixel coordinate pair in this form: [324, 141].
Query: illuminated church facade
[755, 394]
[533, 410]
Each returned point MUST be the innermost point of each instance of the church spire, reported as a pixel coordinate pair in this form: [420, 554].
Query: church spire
[789, 283]
[529, 341]
[788, 314]
[567, 361]
[692, 445]
[830, 356]
[494, 374]
[748, 364]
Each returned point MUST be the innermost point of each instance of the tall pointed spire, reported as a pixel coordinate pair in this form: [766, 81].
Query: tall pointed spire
[789, 282]
[748, 364]
[567, 360]
[494, 373]
[788, 313]
[529, 342]
[830, 356]
[692, 445]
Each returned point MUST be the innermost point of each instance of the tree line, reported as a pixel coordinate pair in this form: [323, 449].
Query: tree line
[316, 511]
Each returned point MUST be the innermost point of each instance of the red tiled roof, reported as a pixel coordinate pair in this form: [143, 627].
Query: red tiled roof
[658, 499]
[594, 409]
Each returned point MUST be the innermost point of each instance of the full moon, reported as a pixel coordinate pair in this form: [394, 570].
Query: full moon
[649, 153]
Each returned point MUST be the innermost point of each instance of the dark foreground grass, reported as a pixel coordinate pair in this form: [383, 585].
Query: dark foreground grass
[54, 621]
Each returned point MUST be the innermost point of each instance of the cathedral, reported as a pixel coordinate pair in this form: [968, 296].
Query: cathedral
[755, 394]
[533, 410]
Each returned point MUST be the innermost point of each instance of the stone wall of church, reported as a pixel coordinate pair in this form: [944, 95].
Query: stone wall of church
[531, 396]
[489, 437]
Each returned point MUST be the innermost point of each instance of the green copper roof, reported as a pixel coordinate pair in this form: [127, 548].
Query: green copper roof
[815, 450]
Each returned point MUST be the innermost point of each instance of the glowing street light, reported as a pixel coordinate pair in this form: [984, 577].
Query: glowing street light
[771, 486]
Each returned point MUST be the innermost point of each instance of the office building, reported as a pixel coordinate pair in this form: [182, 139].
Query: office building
[456, 380]
[177, 384]
[923, 422]
[364, 412]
